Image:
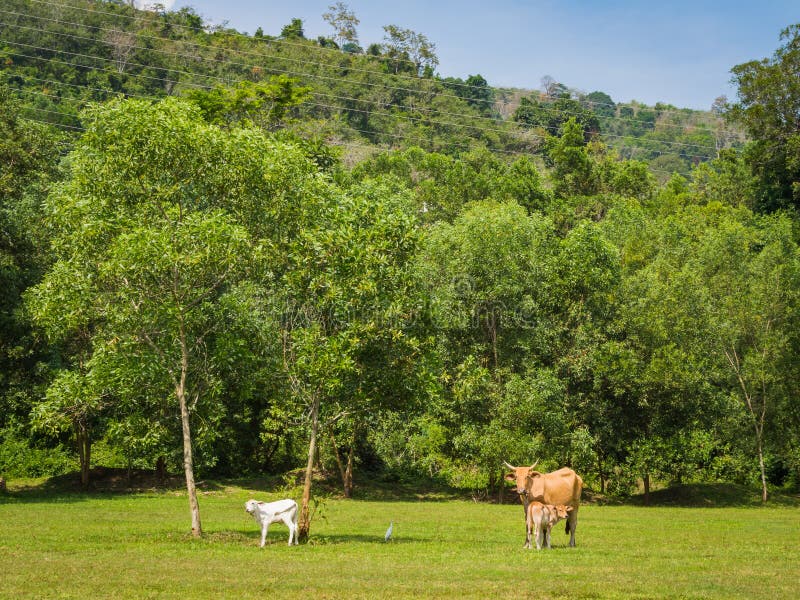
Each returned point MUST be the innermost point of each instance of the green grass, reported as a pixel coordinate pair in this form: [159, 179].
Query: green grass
[71, 545]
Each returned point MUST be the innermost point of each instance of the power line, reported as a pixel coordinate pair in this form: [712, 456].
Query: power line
[320, 105]
[338, 143]
[311, 46]
[331, 142]
[173, 54]
[300, 74]
[270, 40]
[242, 52]
[87, 87]
[52, 123]
[227, 81]
[392, 135]
[111, 60]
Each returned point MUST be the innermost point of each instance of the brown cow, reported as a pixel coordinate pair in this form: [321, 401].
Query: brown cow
[559, 487]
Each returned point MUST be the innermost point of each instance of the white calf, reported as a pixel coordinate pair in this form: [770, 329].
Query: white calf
[274, 512]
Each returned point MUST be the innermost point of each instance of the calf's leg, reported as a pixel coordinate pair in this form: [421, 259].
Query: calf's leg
[288, 522]
[528, 528]
[264, 528]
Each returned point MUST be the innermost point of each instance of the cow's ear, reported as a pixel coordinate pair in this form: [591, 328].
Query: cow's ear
[511, 477]
[569, 508]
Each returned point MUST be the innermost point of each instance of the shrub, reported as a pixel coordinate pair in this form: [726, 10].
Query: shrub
[19, 459]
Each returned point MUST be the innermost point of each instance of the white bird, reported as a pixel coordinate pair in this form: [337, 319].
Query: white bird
[388, 535]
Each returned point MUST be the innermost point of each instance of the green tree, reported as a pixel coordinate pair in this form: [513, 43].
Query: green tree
[162, 218]
[72, 401]
[600, 103]
[293, 30]
[753, 279]
[573, 172]
[552, 115]
[769, 108]
[347, 293]
[490, 277]
[268, 105]
[29, 164]
[444, 186]
[475, 91]
[490, 273]
[407, 45]
[344, 23]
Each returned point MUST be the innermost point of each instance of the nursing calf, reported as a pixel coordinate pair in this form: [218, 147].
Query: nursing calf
[539, 522]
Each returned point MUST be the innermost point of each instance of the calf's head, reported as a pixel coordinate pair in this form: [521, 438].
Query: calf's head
[562, 510]
[251, 506]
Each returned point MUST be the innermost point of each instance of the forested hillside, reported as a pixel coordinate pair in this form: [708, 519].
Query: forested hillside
[235, 254]
[60, 55]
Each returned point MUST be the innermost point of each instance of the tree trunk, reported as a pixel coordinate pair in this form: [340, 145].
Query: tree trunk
[646, 481]
[84, 452]
[757, 413]
[346, 472]
[188, 464]
[161, 469]
[339, 464]
[304, 526]
[761, 466]
[601, 474]
[501, 488]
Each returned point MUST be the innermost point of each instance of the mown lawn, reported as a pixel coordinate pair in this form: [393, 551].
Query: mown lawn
[58, 545]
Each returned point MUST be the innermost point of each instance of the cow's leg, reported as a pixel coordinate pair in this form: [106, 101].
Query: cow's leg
[264, 528]
[547, 531]
[572, 523]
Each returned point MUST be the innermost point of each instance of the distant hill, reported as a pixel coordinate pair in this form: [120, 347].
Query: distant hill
[58, 57]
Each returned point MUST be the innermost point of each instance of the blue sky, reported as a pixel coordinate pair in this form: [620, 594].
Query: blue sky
[673, 51]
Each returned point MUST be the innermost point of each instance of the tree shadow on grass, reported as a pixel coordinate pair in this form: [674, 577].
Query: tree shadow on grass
[104, 482]
[281, 536]
[363, 539]
[366, 489]
[712, 495]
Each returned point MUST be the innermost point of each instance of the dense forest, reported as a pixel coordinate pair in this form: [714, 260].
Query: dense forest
[233, 254]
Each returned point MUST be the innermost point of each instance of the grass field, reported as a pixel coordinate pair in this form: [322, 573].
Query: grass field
[59, 545]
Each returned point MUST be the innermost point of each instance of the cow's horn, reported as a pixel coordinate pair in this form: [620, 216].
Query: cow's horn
[508, 465]
[534, 464]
